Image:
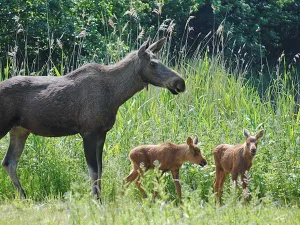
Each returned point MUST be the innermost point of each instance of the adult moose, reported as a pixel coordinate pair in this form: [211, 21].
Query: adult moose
[84, 101]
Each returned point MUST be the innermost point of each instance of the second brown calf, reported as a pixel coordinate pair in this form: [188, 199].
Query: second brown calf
[170, 157]
[235, 159]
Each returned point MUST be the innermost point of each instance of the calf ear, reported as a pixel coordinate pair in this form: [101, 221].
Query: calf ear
[142, 50]
[195, 140]
[189, 141]
[156, 46]
[260, 134]
[246, 133]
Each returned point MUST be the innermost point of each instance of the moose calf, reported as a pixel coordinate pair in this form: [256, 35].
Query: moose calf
[170, 157]
[235, 159]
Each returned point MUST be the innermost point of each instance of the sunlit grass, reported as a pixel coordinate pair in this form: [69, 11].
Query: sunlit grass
[215, 106]
[129, 211]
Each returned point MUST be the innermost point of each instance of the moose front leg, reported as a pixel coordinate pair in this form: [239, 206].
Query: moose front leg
[246, 192]
[93, 148]
[175, 174]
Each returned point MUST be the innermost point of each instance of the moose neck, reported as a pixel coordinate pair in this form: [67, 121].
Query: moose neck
[125, 76]
[184, 151]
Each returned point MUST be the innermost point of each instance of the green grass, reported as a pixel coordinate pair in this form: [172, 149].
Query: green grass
[128, 211]
[216, 106]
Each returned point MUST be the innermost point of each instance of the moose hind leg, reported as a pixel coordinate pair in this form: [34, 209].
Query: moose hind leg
[131, 177]
[4, 130]
[139, 186]
[18, 136]
[246, 192]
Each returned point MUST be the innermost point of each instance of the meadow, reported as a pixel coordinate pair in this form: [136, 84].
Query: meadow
[218, 103]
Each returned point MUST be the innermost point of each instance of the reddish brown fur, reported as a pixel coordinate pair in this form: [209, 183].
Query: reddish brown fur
[235, 159]
[170, 157]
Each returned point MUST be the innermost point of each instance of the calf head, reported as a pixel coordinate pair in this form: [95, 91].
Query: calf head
[152, 71]
[193, 153]
[251, 141]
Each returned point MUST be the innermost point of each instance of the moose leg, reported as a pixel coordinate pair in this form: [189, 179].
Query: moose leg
[18, 136]
[131, 177]
[155, 193]
[4, 130]
[234, 179]
[246, 192]
[217, 184]
[175, 174]
[139, 186]
[93, 148]
[223, 176]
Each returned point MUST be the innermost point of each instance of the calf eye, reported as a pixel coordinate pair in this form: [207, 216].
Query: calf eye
[152, 64]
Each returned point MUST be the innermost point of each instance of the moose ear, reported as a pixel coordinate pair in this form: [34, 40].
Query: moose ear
[195, 140]
[260, 134]
[189, 141]
[142, 50]
[246, 133]
[156, 46]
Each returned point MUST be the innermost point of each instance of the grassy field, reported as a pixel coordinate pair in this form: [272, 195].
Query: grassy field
[216, 106]
[129, 211]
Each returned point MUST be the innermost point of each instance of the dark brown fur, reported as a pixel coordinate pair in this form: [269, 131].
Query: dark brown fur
[235, 159]
[84, 101]
[170, 157]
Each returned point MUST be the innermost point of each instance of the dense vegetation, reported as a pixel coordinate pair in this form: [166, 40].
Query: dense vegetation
[216, 106]
[225, 93]
[37, 32]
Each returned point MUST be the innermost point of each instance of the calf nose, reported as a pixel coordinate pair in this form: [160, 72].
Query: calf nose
[253, 151]
[203, 163]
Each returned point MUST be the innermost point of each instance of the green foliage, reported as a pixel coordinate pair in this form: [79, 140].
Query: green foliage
[216, 106]
[266, 27]
[128, 211]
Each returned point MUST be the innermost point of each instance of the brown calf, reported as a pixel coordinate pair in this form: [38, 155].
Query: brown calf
[170, 157]
[235, 159]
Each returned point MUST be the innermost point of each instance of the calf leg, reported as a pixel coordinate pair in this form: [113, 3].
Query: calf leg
[175, 174]
[155, 193]
[234, 179]
[18, 136]
[131, 177]
[217, 187]
[246, 192]
[93, 148]
[220, 180]
[139, 186]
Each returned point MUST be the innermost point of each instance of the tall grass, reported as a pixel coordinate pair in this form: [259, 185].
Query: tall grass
[216, 106]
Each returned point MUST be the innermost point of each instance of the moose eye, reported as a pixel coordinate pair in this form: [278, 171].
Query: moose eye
[196, 153]
[152, 64]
